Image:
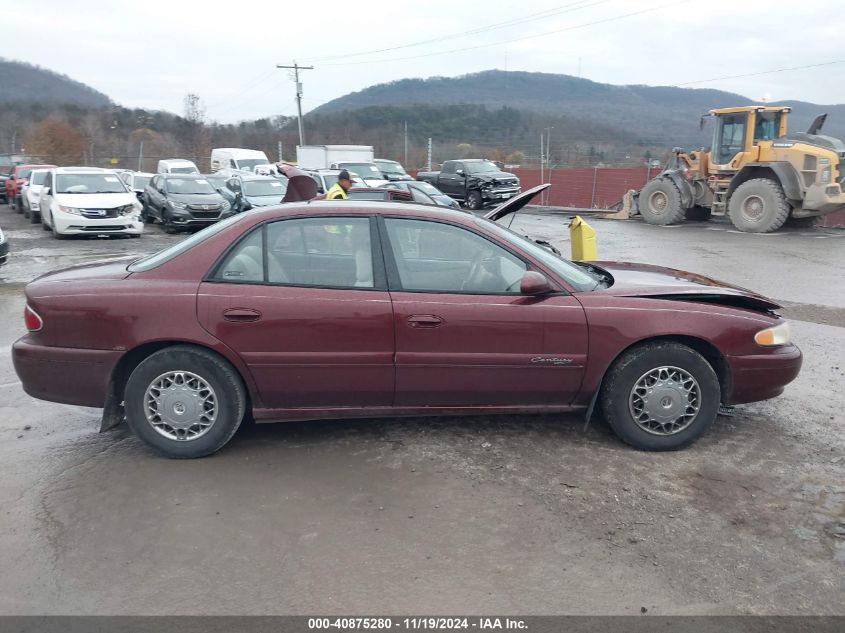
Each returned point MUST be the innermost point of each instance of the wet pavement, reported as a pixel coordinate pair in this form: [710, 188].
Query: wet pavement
[472, 515]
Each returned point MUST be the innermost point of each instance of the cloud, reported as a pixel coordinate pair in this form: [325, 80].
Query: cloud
[149, 54]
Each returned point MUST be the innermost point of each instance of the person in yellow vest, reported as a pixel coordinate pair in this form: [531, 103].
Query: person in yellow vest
[338, 190]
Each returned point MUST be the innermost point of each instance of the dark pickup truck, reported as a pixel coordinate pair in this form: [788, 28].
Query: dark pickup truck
[475, 182]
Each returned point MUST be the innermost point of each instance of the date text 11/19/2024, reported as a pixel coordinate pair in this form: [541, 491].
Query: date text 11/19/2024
[417, 623]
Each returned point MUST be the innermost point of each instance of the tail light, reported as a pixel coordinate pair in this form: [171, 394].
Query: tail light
[32, 320]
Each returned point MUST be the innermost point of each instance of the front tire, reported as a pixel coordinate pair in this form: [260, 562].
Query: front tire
[474, 201]
[758, 206]
[184, 402]
[660, 396]
[660, 202]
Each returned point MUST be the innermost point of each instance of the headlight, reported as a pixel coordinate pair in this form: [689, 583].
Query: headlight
[72, 210]
[226, 205]
[127, 209]
[2, 237]
[774, 336]
[177, 205]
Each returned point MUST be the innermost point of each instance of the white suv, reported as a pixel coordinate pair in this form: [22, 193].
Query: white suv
[31, 192]
[88, 201]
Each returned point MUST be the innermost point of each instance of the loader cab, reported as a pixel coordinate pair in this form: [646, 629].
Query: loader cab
[739, 132]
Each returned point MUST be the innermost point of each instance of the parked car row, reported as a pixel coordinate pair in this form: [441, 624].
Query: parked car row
[90, 200]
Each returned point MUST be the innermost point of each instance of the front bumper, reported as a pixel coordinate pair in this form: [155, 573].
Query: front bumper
[499, 195]
[4, 253]
[821, 199]
[763, 376]
[63, 374]
[72, 224]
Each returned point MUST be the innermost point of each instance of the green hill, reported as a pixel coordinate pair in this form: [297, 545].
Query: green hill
[24, 82]
[659, 115]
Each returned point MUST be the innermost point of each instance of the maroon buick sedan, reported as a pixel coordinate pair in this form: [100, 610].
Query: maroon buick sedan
[361, 309]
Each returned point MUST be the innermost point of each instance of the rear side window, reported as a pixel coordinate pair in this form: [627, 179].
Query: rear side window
[245, 262]
[325, 252]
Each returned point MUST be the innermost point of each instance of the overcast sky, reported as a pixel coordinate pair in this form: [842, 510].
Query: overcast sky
[151, 53]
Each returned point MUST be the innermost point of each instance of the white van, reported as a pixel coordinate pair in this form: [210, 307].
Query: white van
[231, 159]
[176, 166]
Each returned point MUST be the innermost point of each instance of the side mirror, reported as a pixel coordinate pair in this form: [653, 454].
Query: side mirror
[534, 283]
[45, 191]
[460, 172]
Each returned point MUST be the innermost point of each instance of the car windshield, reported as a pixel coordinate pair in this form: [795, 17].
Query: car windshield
[364, 170]
[577, 277]
[391, 168]
[157, 259]
[89, 183]
[183, 170]
[142, 181]
[248, 163]
[482, 167]
[38, 178]
[218, 182]
[269, 187]
[426, 187]
[189, 186]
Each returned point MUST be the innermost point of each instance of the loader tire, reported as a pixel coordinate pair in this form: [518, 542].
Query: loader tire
[660, 203]
[758, 206]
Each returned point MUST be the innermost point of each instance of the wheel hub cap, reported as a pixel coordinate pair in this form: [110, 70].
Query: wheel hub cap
[659, 202]
[753, 207]
[180, 405]
[665, 400]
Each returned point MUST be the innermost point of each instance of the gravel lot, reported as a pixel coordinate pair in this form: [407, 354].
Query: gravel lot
[531, 515]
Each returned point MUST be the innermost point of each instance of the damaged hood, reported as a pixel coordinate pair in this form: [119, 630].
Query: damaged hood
[645, 280]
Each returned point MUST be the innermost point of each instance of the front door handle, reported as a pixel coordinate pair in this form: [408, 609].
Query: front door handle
[424, 320]
[241, 315]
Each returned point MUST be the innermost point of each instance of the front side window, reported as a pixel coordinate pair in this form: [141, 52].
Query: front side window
[326, 252]
[436, 257]
[38, 178]
[449, 167]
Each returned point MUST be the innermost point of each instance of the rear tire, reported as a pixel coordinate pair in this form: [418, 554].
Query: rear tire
[184, 381]
[660, 396]
[660, 202]
[758, 206]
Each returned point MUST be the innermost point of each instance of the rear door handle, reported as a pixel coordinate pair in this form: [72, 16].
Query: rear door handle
[424, 320]
[241, 315]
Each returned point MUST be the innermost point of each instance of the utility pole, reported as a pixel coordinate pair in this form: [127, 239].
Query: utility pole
[280, 152]
[406, 144]
[429, 155]
[541, 158]
[141, 156]
[296, 68]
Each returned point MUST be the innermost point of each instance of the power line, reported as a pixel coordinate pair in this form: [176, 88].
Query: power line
[762, 72]
[490, 27]
[516, 39]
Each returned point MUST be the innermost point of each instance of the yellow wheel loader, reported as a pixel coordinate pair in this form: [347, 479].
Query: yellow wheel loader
[755, 173]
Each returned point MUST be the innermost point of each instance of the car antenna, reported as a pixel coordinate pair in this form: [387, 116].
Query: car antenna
[513, 217]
